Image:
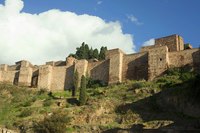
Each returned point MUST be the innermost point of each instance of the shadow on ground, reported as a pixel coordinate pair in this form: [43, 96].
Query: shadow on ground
[169, 105]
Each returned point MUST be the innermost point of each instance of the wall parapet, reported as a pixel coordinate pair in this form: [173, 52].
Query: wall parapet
[149, 63]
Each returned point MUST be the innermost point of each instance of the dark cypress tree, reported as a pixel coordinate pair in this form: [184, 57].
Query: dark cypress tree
[96, 54]
[82, 96]
[91, 53]
[86, 52]
[75, 82]
[80, 52]
[102, 53]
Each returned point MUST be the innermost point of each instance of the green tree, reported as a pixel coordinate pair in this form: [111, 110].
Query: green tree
[75, 82]
[83, 95]
[80, 52]
[91, 53]
[86, 51]
[96, 54]
[102, 53]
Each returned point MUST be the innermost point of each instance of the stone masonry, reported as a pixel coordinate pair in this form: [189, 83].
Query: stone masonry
[149, 63]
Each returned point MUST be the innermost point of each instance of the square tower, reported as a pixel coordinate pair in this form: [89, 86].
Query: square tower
[173, 42]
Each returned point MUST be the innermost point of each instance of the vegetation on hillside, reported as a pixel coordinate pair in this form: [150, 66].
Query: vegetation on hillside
[170, 101]
[84, 52]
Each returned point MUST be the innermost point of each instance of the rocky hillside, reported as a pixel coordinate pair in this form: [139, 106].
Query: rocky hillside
[171, 102]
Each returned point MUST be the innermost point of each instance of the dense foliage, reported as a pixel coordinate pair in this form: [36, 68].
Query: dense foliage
[84, 52]
[56, 123]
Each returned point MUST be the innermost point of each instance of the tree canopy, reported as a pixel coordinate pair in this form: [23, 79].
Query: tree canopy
[84, 52]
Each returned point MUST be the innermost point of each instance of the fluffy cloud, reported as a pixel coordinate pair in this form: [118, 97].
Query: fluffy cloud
[134, 20]
[149, 42]
[99, 2]
[53, 34]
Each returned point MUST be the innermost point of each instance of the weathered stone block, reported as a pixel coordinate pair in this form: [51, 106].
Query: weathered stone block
[51, 63]
[173, 42]
[25, 76]
[70, 61]
[158, 61]
[24, 63]
[81, 66]
[45, 76]
[3, 67]
[115, 68]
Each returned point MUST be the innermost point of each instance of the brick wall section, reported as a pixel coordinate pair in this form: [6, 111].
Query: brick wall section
[99, 70]
[173, 42]
[8, 76]
[25, 76]
[45, 76]
[115, 57]
[135, 66]
[3, 67]
[82, 67]
[157, 61]
[13, 67]
[146, 48]
[183, 58]
[61, 78]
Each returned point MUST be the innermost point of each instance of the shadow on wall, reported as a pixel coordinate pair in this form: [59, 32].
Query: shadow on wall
[16, 78]
[101, 72]
[196, 61]
[34, 81]
[69, 78]
[138, 69]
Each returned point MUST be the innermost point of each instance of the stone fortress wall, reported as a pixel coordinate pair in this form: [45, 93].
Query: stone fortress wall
[149, 63]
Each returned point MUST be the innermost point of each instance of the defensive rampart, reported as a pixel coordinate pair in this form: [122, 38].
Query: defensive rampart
[149, 63]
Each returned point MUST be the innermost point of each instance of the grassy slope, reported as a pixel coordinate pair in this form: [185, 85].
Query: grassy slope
[132, 105]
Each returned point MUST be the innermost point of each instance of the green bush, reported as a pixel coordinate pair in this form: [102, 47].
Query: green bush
[26, 112]
[56, 123]
[47, 102]
[186, 76]
[167, 81]
[42, 91]
[95, 83]
[142, 84]
[173, 71]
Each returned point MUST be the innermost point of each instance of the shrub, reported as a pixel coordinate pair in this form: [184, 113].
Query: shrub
[47, 102]
[173, 71]
[56, 123]
[26, 112]
[27, 103]
[42, 91]
[95, 83]
[168, 81]
[186, 76]
[142, 84]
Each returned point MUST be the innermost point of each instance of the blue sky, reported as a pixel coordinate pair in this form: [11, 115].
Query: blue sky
[158, 17]
[139, 21]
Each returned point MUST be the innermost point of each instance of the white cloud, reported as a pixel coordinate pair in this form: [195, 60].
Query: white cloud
[134, 20]
[149, 42]
[99, 2]
[53, 34]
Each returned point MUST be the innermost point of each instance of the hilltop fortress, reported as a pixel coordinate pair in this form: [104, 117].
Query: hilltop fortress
[149, 63]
